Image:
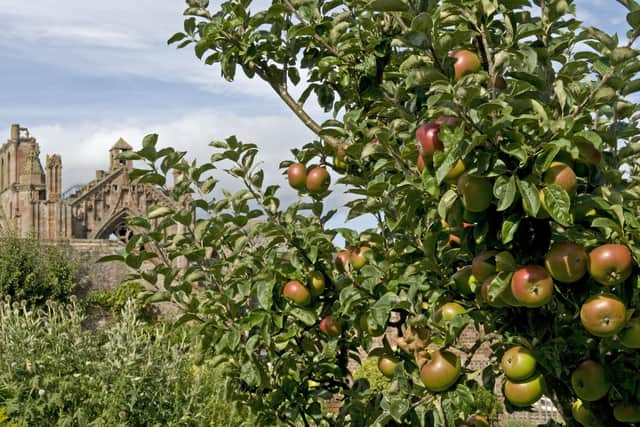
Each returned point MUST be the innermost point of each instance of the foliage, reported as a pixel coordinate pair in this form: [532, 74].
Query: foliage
[115, 300]
[549, 89]
[127, 374]
[5, 421]
[34, 271]
[369, 372]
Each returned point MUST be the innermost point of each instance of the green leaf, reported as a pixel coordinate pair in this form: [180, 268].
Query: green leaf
[388, 6]
[305, 315]
[557, 202]
[398, 408]
[509, 228]
[633, 18]
[265, 293]
[622, 54]
[530, 197]
[159, 212]
[504, 189]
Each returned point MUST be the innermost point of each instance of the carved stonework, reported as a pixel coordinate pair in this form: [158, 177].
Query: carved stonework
[32, 200]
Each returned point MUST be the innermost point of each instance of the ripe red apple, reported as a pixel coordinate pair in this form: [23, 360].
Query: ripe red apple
[532, 286]
[477, 192]
[589, 381]
[329, 326]
[427, 139]
[583, 415]
[295, 292]
[467, 62]
[316, 283]
[318, 180]
[630, 335]
[610, 264]
[603, 315]
[448, 312]
[518, 363]
[483, 265]
[627, 412]
[297, 175]
[342, 260]
[561, 174]
[387, 365]
[358, 260]
[441, 371]
[566, 261]
[524, 393]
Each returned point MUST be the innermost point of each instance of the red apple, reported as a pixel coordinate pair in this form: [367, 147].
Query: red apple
[358, 260]
[467, 62]
[343, 259]
[589, 381]
[297, 176]
[329, 326]
[532, 286]
[427, 139]
[295, 292]
[566, 261]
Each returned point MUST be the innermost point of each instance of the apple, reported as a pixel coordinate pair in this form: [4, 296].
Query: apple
[532, 286]
[297, 176]
[484, 294]
[476, 421]
[420, 162]
[630, 335]
[566, 261]
[316, 283]
[387, 365]
[441, 371]
[466, 62]
[340, 159]
[518, 363]
[342, 260]
[561, 174]
[483, 265]
[603, 315]
[610, 264]
[589, 381]
[318, 180]
[524, 393]
[583, 415]
[295, 292]
[448, 312]
[455, 172]
[329, 326]
[427, 140]
[358, 260]
[589, 153]
[477, 192]
[627, 412]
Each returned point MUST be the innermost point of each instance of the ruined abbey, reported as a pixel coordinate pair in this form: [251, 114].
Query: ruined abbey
[32, 202]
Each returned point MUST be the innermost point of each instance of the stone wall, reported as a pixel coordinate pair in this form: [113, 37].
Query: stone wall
[93, 275]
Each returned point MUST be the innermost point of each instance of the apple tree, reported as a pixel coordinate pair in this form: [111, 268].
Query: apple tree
[494, 145]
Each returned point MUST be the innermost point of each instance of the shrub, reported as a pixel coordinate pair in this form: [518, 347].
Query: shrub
[126, 374]
[115, 300]
[35, 272]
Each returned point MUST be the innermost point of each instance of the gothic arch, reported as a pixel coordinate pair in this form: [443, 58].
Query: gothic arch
[114, 227]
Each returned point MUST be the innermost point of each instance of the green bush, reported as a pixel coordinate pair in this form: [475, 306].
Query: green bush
[115, 300]
[54, 372]
[35, 272]
[369, 371]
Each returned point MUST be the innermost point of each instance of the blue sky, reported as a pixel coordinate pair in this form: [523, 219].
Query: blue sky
[82, 73]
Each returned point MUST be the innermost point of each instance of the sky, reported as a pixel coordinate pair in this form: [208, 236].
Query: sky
[82, 73]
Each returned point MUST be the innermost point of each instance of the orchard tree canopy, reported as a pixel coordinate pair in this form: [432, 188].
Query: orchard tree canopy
[495, 144]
